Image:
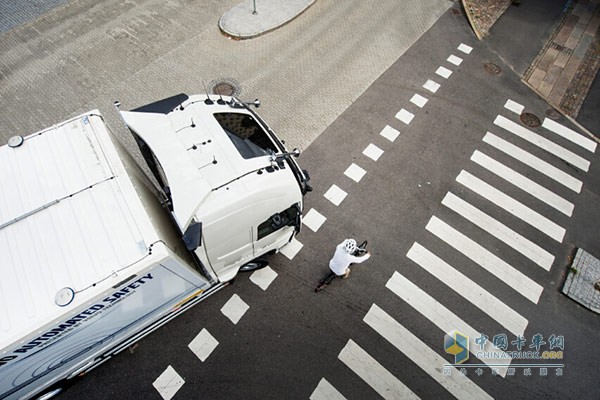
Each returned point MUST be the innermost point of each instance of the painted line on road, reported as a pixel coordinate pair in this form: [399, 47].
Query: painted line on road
[468, 289]
[569, 134]
[512, 277]
[313, 219]
[389, 133]
[500, 231]
[524, 183]
[465, 48]
[373, 152]
[355, 172]
[514, 106]
[326, 391]
[168, 383]
[263, 277]
[335, 195]
[511, 205]
[235, 308]
[442, 317]
[454, 60]
[534, 162]
[203, 345]
[443, 72]
[542, 143]
[291, 249]
[418, 100]
[405, 116]
[432, 86]
[373, 373]
[418, 352]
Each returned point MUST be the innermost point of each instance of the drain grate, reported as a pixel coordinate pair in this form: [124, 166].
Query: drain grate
[531, 120]
[225, 87]
[492, 68]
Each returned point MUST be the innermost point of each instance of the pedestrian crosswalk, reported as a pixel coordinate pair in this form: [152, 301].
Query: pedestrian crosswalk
[517, 184]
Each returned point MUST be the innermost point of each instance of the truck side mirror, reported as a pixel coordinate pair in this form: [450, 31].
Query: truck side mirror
[193, 236]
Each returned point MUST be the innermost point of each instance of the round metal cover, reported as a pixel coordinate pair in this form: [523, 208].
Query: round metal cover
[64, 297]
[225, 87]
[15, 141]
[492, 68]
[531, 120]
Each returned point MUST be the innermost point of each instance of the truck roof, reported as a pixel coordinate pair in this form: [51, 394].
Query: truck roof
[202, 145]
[71, 223]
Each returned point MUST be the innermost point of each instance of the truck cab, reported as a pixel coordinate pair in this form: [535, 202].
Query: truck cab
[232, 188]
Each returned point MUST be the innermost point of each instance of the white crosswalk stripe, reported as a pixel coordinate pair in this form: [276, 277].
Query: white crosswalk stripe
[373, 373]
[534, 162]
[442, 317]
[468, 289]
[486, 259]
[569, 134]
[523, 182]
[511, 205]
[497, 229]
[422, 355]
[543, 143]
[326, 391]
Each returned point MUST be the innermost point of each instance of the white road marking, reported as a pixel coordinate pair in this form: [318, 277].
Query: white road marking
[569, 134]
[335, 195]
[373, 152]
[521, 244]
[442, 317]
[168, 383]
[464, 48]
[418, 100]
[523, 183]
[313, 219]
[326, 391]
[486, 259]
[432, 86]
[389, 133]
[534, 162]
[422, 355]
[263, 277]
[355, 172]
[373, 373]
[405, 116]
[543, 143]
[235, 308]
[443, 72]
[468, 289]
[291, 249]
[511, 205]
[454, 60]
[203, 345]
[514, 107]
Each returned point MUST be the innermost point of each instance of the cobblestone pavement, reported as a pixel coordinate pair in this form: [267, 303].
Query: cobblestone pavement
[565, 68]
[579, 285]
[85, 54]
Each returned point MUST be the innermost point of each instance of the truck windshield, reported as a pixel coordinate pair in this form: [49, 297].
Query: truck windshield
[246, 134]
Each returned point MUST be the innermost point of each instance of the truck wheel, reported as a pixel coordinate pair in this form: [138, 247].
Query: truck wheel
[253, 265]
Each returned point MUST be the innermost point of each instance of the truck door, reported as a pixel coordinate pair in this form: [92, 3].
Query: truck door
[274, 232]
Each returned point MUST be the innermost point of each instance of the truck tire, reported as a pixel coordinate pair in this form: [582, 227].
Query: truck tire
[257, 263]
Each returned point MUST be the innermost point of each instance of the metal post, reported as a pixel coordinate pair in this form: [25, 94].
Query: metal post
[254, 5]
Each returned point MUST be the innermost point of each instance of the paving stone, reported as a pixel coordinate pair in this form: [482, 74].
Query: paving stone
[579, 284]
[536, 78]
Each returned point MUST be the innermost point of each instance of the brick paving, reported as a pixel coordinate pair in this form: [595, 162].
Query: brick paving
[579, 285]
[565, 68]
[482, 14]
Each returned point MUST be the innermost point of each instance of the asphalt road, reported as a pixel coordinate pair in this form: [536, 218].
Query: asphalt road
[290, 338]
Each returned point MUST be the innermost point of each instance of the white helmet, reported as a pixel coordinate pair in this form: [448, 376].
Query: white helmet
[350, 246]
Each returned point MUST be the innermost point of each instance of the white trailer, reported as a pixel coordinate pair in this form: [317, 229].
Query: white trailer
[92, 260]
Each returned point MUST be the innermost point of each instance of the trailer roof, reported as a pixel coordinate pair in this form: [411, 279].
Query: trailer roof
[69, 218]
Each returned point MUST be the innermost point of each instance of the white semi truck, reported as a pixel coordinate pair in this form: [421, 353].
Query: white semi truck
[95, 253]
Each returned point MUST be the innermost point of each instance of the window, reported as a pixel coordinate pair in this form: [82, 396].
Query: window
[287, 217]
[246, 134]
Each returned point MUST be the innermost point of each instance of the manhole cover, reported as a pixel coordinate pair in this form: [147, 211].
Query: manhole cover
[492, 68]
[531, 120]
[225, 87]
[455, 11]
[552, 113]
